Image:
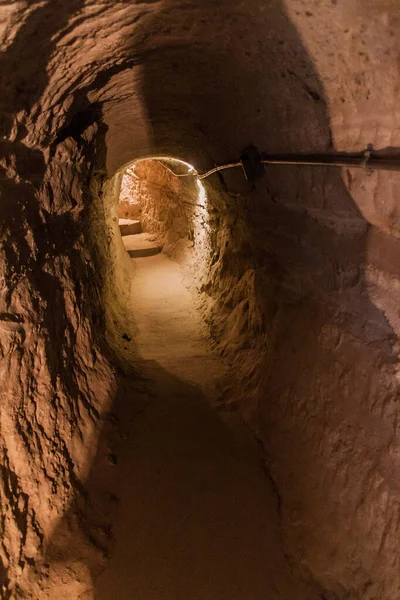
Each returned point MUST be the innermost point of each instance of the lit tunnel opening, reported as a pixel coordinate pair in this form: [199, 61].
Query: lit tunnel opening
[162, 207]
[160, 228]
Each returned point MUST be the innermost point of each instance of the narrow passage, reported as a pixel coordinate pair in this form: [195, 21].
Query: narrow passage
[197, 518]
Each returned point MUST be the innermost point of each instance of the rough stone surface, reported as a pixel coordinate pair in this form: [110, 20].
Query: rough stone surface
[175, 211]
[128, 205]
[300, 272]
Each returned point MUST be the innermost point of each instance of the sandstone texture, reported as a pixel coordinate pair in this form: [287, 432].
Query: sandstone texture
[128, 204]
[296, 275]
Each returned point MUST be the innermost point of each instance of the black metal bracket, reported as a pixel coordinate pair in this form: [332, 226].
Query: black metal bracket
[251, 163]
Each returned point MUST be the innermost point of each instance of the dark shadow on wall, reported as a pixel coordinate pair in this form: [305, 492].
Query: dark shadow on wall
[24, 63]
[248, 79]
[24, 82]
[37, 231]
[39, 226]
[24, 72]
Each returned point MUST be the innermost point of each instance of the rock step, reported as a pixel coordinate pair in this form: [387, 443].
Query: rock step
[129, 227]
[139, 246]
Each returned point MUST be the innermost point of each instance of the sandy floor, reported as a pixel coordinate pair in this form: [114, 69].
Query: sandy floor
[197, 518]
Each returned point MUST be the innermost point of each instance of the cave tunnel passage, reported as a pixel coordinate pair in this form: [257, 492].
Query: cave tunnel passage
[126, 470]
[163, 221]
[196, 516]
[162, 207]
[164, 224]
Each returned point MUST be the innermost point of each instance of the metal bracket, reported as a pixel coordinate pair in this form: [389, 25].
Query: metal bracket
[251, 163]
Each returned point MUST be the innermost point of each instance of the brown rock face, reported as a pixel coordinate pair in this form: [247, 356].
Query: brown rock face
[128, 199]
[297, 275]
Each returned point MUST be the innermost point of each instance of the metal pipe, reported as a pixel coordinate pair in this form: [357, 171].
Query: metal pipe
[220, 168]
[356, 160]
[360, 160]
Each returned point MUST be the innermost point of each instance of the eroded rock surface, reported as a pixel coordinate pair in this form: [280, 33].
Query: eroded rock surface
[299, 276]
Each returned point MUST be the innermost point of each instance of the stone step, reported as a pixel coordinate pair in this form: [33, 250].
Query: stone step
[140, 246]
[129, 227]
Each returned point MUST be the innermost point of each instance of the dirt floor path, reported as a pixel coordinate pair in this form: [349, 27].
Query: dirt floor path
[197, 517]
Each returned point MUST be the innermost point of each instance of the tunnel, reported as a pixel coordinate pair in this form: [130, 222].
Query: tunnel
[208, 409]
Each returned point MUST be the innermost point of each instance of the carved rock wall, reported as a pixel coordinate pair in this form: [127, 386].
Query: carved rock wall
[300, 288]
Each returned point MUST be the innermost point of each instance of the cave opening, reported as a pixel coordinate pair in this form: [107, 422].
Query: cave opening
[160, 229]
[159, 220]
[162, 207]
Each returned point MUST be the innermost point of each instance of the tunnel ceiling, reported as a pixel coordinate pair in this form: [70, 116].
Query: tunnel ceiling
[200, 81]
